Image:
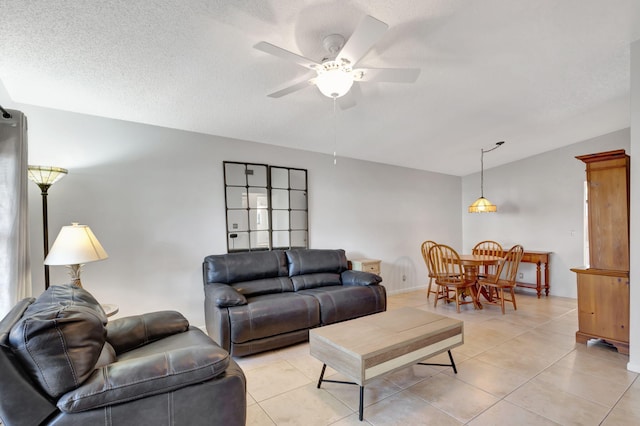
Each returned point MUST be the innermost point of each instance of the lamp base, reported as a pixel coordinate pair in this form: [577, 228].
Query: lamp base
[74, 273]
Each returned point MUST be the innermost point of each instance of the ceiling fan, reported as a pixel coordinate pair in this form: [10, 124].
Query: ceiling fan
[336, 74]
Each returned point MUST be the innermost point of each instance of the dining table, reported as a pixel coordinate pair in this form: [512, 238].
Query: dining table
[471, 264]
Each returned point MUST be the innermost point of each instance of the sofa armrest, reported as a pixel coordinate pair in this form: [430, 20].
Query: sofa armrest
[141, 377]
[351, 277]
[129, 333]
[224, 296]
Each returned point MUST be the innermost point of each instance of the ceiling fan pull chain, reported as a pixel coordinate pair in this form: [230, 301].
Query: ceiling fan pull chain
[335, 133]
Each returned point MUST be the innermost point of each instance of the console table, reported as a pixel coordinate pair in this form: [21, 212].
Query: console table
[539, 258]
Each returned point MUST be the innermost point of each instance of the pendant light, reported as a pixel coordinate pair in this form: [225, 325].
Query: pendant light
[482, 205]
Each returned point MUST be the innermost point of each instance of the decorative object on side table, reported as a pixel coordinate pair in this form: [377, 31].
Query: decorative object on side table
[44, 177]
[75, 245]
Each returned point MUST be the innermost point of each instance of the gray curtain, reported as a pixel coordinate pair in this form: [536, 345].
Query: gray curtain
[15, 275]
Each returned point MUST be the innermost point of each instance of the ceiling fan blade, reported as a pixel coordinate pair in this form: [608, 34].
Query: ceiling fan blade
[368, 32]
[390, 75]
[285, 54]
[293, 88]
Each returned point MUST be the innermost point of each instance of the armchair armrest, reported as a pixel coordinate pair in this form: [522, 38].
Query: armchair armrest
[224, 295]
[129, 333]
[141, 377]
[351, 277]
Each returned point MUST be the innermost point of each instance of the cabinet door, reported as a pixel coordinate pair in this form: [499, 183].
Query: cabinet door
[608, 215]
[603, 306]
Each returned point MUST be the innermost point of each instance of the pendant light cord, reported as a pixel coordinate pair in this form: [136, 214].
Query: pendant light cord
[482, 172]
[482, 152]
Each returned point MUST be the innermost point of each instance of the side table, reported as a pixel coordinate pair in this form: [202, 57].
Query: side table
[366, 265]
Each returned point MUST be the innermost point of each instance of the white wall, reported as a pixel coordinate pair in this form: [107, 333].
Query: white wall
[154, 198]
[540, 205]
[634, 297]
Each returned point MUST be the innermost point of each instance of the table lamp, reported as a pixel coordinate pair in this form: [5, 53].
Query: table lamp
[75, 246]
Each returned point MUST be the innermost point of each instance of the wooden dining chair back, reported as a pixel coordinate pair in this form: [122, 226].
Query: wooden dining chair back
[449, 275]
[426, 246]
[491, 248]
[505, 279]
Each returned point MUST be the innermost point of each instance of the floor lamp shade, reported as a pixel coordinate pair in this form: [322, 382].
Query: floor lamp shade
[44, 177]
[75, 245]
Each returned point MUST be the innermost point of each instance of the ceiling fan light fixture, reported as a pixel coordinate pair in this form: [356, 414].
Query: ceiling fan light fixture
[335, 79]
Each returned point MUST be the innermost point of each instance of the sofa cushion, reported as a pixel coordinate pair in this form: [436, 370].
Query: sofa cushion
[272, 314]
[310, 261]
[324, 279]
[264, 286]
[359, 278]
[341, 303]
[236, 267]
[59, 338]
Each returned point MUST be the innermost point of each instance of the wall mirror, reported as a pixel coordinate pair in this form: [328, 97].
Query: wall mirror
[266, 207]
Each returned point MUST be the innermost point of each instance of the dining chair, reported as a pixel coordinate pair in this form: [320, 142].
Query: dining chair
[426, 246]
[450, 276]
[504, 279]
[491, 248]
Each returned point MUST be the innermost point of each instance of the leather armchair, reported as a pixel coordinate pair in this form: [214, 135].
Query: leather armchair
[63, 364]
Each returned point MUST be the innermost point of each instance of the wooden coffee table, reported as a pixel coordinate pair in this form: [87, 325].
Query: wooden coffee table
[368, 347]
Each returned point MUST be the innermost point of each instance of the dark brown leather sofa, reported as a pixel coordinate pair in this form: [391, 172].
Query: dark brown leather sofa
[61, 363]
[264, 300]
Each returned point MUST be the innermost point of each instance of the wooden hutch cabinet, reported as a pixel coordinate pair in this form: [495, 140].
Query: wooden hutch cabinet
[603, 286]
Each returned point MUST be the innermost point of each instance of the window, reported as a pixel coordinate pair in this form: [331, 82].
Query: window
[266, 207]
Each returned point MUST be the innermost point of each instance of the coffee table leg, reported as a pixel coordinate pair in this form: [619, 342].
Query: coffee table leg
[452, 365]
[361, 403]
[324, 367]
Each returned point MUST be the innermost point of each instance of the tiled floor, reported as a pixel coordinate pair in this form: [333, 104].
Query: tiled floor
[523, 368]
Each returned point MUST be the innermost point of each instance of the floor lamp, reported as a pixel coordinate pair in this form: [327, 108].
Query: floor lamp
[44, 177]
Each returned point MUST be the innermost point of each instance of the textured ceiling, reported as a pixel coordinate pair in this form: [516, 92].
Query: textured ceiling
[537, 74]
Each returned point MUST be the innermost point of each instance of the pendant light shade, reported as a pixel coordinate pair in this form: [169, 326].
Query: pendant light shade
[482, 205]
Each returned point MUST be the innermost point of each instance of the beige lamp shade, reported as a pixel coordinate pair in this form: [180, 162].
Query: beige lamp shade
[75, 244]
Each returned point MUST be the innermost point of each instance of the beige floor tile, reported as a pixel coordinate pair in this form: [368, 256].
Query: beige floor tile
[257, 360]
[273, 379]
[494, 380]
[453, 396]
[405, 408]
[522, 362]
[588, 386]
[507, 414]
[553, 403]
[308, 404]
[256, 416]
[374, 391]
[611, 368]
[627, 410]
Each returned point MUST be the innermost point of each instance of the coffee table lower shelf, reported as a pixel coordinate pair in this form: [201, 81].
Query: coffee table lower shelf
[368, 347]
